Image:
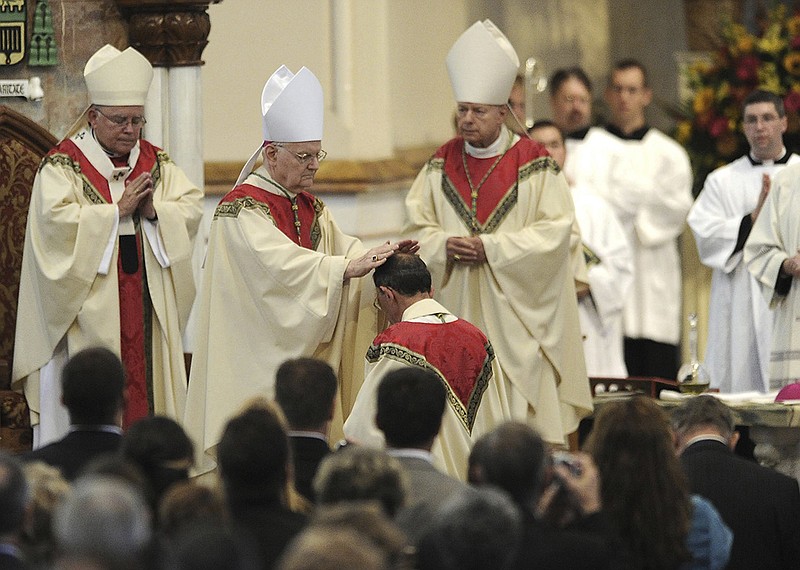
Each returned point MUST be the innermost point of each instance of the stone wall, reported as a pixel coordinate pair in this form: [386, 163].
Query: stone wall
[81, 28]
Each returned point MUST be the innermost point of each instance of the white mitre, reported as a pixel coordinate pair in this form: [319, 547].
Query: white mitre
[291, 110]
[482, 65]
[116, 78]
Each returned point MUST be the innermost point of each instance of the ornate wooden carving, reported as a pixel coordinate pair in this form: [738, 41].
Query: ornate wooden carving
[170, 33]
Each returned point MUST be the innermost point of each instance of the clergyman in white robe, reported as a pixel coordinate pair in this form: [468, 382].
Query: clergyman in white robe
[739, 321]
[774, 238]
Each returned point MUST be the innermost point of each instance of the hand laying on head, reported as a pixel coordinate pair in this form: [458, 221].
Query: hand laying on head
[407, 246]
[373, 258]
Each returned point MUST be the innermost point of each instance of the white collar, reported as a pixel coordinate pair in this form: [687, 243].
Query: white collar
[107, 428]
[423, 307]
[503, 142]
[768, 161]
[411, 452]
[706, 437]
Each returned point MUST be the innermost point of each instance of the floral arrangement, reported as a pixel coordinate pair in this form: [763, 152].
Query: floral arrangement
[710, 121]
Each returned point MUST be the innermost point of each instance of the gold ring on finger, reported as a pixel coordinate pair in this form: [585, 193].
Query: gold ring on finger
[457, 257]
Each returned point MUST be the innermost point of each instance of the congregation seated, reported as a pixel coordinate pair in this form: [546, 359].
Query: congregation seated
[386, 545]
[254, 460]
[13, 504]
[760, 505]
[363, 494]
[645, 494]
[93, 385]
[475, 529]
[305, 389]
[514, 458]
[163, 452]
[106, 520]
[361, 474]
[47, 488]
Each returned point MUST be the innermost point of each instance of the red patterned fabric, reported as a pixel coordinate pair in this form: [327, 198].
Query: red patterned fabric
[22, 145]
[18, 165]
[133, 300]
[458, 351]
[503, 177]
[280, 210]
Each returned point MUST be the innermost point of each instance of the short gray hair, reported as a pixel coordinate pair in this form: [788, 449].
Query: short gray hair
[104, 516]
[703, 411]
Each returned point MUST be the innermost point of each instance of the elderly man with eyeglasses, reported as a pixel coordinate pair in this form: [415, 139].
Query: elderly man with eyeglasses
[279, 280]
[494, 218]
[107, 257]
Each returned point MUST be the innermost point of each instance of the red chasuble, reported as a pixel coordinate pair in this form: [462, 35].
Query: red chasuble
[498, 194]
[457, 352]
[135, 310]
[281, 210]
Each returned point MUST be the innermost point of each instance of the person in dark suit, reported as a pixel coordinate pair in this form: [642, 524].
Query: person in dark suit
[253, 457]
[13, 504]
[760, 505]
[93, 391]
[305, 389]
[514, 459]
[410, 405]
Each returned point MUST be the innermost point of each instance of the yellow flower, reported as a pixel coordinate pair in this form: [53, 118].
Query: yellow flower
[700, 68]
[683, 132]
[792, 62]
[772, 42]
[768, 78]
[703, 100]
[723, 91]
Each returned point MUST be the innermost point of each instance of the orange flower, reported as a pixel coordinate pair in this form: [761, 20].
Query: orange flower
[793, 25]
[792, 62]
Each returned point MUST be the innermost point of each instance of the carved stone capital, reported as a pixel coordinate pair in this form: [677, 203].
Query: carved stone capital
[170, 33]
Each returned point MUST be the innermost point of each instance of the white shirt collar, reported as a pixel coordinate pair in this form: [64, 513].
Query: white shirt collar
[302, 433]
[706, 437]
[411, 452]
[108, 428]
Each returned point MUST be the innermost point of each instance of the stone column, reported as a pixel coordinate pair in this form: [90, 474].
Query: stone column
[172, 35]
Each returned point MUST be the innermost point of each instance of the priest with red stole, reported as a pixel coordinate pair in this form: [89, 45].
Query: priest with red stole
[493, 215]
[279, 280]
[107, 256]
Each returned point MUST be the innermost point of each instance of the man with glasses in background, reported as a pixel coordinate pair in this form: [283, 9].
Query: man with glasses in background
[739, 321]
[107, 257]
[494, 219]
[279, 280]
